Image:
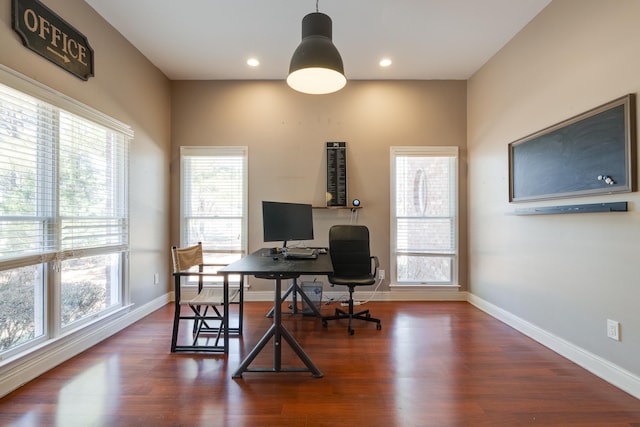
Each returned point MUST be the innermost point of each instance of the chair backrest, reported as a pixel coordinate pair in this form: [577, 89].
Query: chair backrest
[349, 249]
[186, 258]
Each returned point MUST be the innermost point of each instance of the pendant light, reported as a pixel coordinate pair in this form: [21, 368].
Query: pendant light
[316, 66]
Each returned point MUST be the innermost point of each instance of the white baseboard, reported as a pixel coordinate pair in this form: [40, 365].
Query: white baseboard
[335, 295]
[15, 373]
[600, 367]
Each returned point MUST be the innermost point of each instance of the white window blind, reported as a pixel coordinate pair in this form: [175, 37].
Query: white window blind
[424, 220]
[27, 141]
[93, 202]
[63, 180]
[214, 200]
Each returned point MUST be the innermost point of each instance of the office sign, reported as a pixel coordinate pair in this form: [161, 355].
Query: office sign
[50, 36]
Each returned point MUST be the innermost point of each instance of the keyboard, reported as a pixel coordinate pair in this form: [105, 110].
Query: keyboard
[300, 253]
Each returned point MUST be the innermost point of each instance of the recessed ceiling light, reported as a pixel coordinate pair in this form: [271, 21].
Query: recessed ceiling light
[253, 62]
[385, 62]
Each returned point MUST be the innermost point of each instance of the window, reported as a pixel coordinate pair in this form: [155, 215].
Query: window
[63, 214]
[424, 215]
[214, 201]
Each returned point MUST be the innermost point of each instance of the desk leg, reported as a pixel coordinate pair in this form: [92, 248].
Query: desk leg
[277, 331]
[244, 366]
[277, 321]
[225, 311]
[301, 354]
[292, 288]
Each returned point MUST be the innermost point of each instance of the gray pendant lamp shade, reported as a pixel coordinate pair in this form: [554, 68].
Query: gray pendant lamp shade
[316, 66]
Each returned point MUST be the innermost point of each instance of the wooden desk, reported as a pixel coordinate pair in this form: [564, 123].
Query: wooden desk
[261, 264]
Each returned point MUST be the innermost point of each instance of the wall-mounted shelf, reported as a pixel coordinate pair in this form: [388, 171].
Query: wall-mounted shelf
[353, 208]
[593, 207]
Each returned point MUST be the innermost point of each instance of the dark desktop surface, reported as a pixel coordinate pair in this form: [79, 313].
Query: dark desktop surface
[262, 262]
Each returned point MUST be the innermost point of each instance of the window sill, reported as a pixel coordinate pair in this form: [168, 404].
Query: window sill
[428, 293]
[400, 288]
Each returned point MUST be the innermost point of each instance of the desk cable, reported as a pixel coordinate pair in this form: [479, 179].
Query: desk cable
[373, 293]
[354, 216]
[339, 299]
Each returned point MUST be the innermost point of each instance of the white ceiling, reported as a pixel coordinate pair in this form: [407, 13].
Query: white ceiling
[212, 39]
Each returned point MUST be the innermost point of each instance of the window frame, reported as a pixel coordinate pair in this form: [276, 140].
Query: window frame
[425, 151]
[49, 257]
[216, 151]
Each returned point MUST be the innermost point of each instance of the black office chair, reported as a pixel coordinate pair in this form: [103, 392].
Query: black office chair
[352, 266]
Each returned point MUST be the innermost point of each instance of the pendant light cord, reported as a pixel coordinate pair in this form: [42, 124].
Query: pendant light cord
[317, 5]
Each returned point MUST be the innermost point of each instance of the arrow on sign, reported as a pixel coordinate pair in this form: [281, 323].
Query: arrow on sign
[65, 58]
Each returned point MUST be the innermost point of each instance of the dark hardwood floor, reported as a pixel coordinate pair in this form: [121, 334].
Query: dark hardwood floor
[432, 364]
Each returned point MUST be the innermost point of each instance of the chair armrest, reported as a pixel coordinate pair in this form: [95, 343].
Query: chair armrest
[376, 264]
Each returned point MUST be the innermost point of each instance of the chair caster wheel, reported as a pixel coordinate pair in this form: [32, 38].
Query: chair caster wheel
[324, 323]
[379, 326]
[351, 331]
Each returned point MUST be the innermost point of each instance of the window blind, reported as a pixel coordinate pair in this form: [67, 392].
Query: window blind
[425, 210]
[92, 185]
[27, 175]
[63, 179]
[213, 197]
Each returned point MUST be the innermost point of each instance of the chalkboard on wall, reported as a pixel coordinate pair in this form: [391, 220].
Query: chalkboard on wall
[593, 153]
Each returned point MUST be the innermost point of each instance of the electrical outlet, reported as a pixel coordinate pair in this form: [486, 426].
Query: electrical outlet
[613, 329]
[156, 279]
[381, 274]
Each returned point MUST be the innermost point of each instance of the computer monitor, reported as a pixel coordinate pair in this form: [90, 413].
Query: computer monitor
[286, 221]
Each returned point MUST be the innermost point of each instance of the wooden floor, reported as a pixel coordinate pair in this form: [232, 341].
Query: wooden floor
[432, 364]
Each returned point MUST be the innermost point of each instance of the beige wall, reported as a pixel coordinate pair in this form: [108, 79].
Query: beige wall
[565, 274]
[286, 133]
[128, 88]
